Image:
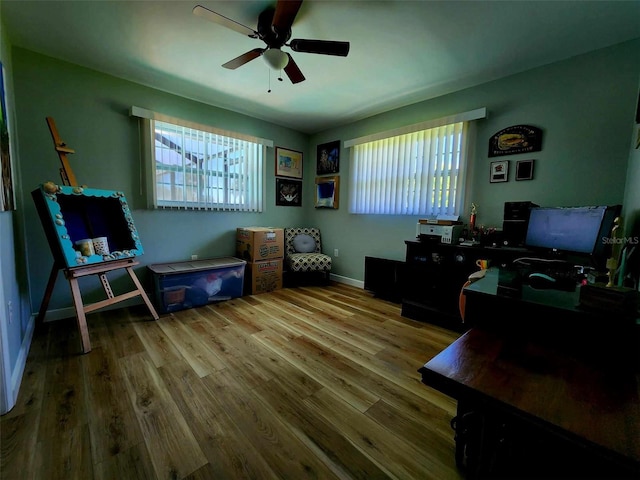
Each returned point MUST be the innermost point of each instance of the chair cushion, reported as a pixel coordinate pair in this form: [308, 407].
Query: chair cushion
[291, 233]
[303, 243]
[309, 262]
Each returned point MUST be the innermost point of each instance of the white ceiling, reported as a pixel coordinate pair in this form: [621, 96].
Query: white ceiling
[401, 51]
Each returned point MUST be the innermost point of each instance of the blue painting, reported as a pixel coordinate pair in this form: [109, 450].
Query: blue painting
[327, 189]
[328, 158]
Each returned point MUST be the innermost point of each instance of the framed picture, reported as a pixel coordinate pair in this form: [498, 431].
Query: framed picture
[327, 192]
[515, 139]
[288, 192]
[83, 224]
[328, 159]
[524, 170]
[288, 163]
[499, 171]
[7, 195]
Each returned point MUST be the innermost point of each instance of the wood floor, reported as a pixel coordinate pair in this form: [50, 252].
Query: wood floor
[313, 382]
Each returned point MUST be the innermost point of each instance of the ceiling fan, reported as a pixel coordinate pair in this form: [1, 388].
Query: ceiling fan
[274, 29]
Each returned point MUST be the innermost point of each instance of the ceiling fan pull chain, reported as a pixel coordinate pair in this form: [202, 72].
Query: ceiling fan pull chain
[280, 76]
[269, 91]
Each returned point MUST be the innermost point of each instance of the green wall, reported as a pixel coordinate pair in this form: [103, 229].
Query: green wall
[584, 105]
[91, 113]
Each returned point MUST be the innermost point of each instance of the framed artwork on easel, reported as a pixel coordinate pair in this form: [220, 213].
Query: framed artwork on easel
[75, 219]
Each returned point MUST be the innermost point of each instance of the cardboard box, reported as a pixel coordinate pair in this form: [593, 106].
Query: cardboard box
[255, 244]
[263, 276]
[192, 284]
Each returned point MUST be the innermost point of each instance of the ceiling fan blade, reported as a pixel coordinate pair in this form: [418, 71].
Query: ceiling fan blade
[244, 58]
[293, 72]
[285, 14]
[323, 47]
[224, 21]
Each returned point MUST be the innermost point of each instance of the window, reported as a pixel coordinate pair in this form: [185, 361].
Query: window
[411, 171]
[200, 168]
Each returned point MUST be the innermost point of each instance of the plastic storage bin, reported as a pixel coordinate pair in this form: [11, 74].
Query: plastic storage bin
[182, 285]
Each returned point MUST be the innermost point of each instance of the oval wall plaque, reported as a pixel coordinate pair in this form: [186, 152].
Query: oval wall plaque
[515, 139]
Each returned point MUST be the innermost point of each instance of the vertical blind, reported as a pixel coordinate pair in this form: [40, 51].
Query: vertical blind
[202, 170]
[198, 167]
[417, 169]
[418, 173]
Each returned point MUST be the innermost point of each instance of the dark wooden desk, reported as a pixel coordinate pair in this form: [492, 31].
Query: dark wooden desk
[526, 410]
[434, 272]
[555, 319]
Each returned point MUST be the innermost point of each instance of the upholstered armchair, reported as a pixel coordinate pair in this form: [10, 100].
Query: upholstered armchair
[303, 253]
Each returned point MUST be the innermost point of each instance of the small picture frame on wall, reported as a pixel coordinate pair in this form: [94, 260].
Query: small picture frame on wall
[288, 192]
[327, 190]
[288, 163]
[499, 171]
[524, 170]
[7, 192]
[328, 159]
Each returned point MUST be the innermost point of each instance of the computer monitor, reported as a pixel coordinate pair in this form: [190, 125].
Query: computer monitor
[572, 230]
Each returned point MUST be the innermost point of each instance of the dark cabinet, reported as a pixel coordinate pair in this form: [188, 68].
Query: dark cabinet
[384, 277]
[434, 274]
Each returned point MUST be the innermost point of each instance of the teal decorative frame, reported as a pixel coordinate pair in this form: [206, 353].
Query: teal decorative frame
[69, 214]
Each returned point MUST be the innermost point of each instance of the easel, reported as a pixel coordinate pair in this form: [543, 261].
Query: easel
[72, 274]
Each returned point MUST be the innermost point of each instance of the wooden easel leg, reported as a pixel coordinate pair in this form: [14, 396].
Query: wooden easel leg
[80, 315]
[47, 293]
[143, 294]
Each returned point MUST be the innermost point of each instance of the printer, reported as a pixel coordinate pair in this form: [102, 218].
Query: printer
[439, 229]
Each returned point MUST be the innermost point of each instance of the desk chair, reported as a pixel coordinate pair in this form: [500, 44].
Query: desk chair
[303, 254]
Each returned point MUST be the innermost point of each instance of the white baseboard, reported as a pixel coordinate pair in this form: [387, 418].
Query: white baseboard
[21, 362]
[346, 280]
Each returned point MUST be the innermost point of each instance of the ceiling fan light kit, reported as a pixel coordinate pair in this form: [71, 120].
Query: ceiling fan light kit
[274, 29]
[275, 58]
